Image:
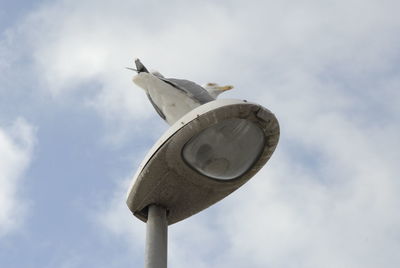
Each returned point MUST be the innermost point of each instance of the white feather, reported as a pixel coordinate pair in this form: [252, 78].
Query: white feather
[172, 102]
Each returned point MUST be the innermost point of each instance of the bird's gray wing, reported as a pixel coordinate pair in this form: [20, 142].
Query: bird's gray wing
[190, 88]
[156, 73]
[160, 113]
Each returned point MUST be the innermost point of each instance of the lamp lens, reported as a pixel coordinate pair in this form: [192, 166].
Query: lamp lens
[225, 150]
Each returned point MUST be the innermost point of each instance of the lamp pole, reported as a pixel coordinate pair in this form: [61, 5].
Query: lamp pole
[156, 237]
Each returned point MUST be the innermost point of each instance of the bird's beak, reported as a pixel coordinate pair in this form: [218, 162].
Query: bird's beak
[225, 88]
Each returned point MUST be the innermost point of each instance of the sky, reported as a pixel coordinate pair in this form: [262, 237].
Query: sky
[74, 129]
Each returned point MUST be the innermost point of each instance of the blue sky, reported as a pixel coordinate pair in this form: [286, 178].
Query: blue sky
[74, 128]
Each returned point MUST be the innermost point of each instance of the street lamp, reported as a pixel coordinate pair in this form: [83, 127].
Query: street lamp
[206, 155]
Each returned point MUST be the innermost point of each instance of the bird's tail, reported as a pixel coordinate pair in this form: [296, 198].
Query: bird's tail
[140, 67]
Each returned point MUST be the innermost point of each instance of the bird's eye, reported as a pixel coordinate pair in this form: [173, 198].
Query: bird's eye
[211, 84]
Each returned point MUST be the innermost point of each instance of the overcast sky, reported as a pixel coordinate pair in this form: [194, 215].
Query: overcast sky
[74, 128]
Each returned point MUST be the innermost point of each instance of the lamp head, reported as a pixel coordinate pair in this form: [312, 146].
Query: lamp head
[203, 157]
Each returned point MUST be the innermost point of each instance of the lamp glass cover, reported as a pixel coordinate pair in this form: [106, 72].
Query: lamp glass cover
[225, 150]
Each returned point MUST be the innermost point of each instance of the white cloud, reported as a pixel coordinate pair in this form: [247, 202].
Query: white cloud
[340, 212]
[16, 144]
[90, 42]
[114, 217]
[329, 70]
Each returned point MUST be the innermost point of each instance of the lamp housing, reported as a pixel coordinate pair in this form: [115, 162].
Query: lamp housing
[206, 155]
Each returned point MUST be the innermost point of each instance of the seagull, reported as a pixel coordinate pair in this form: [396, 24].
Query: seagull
[173, 98]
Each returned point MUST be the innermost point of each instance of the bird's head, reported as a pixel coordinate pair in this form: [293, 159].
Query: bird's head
[214, 89]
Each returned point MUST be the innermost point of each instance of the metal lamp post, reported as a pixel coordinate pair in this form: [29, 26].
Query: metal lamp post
[202, 158]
